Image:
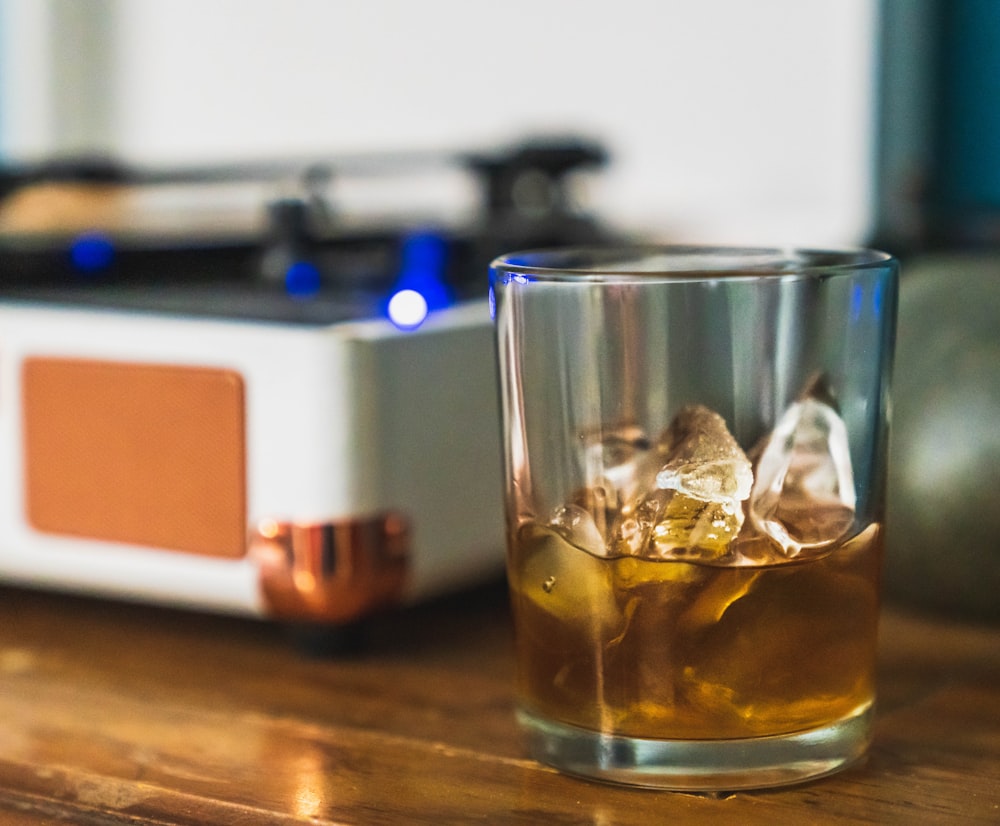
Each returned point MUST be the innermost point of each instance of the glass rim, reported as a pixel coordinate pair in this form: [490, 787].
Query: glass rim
[675, 262]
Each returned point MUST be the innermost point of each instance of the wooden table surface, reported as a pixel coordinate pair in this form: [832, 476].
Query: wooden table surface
[116, 713]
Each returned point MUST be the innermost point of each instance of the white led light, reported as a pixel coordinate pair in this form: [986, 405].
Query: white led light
[407, 309]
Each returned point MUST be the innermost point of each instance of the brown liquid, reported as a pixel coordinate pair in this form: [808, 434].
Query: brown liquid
[676, 650]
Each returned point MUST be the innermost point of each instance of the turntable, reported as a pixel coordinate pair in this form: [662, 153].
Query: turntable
[284, 411]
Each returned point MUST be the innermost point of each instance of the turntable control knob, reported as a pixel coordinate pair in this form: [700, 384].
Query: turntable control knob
[289, 244]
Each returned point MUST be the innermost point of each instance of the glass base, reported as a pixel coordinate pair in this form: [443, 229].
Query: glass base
[699, 765]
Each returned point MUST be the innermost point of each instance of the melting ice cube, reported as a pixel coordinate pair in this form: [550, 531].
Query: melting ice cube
[578, 526]
[803, 495]
[692, 510]
[556, 578]
[703, 460]
[615, 463]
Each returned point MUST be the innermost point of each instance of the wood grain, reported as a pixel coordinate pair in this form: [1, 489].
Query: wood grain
[113, 713]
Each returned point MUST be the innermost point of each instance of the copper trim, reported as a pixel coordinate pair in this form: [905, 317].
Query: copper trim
[335, 571]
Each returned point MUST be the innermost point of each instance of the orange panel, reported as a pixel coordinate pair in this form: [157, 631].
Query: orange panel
[140, 453]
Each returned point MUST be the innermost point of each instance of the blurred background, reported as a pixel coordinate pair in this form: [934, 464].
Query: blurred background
[806, 122]
[724, 119]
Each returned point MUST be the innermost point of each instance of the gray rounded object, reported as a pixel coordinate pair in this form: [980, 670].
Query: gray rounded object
[943, 525]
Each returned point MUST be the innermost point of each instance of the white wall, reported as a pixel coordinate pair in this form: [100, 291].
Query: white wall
[728, 120]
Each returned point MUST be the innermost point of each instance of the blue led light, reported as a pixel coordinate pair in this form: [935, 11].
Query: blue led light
[91, 252]
[302, 280]
[420, 286]
[427, 250]
[407, 309]
[857, 301]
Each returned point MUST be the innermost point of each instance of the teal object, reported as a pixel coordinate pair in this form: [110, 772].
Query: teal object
[968, 122]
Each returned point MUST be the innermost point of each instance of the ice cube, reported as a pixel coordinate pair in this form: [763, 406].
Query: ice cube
[614, 467]
[577, 526]
[803, 495]
[557, 578]
[612, 457]
[693, 509]
[703, 460]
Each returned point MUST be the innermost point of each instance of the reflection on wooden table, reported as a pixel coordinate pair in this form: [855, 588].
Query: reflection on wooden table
[115, 713]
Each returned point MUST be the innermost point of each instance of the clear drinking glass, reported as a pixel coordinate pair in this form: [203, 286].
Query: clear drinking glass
[695, 460]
